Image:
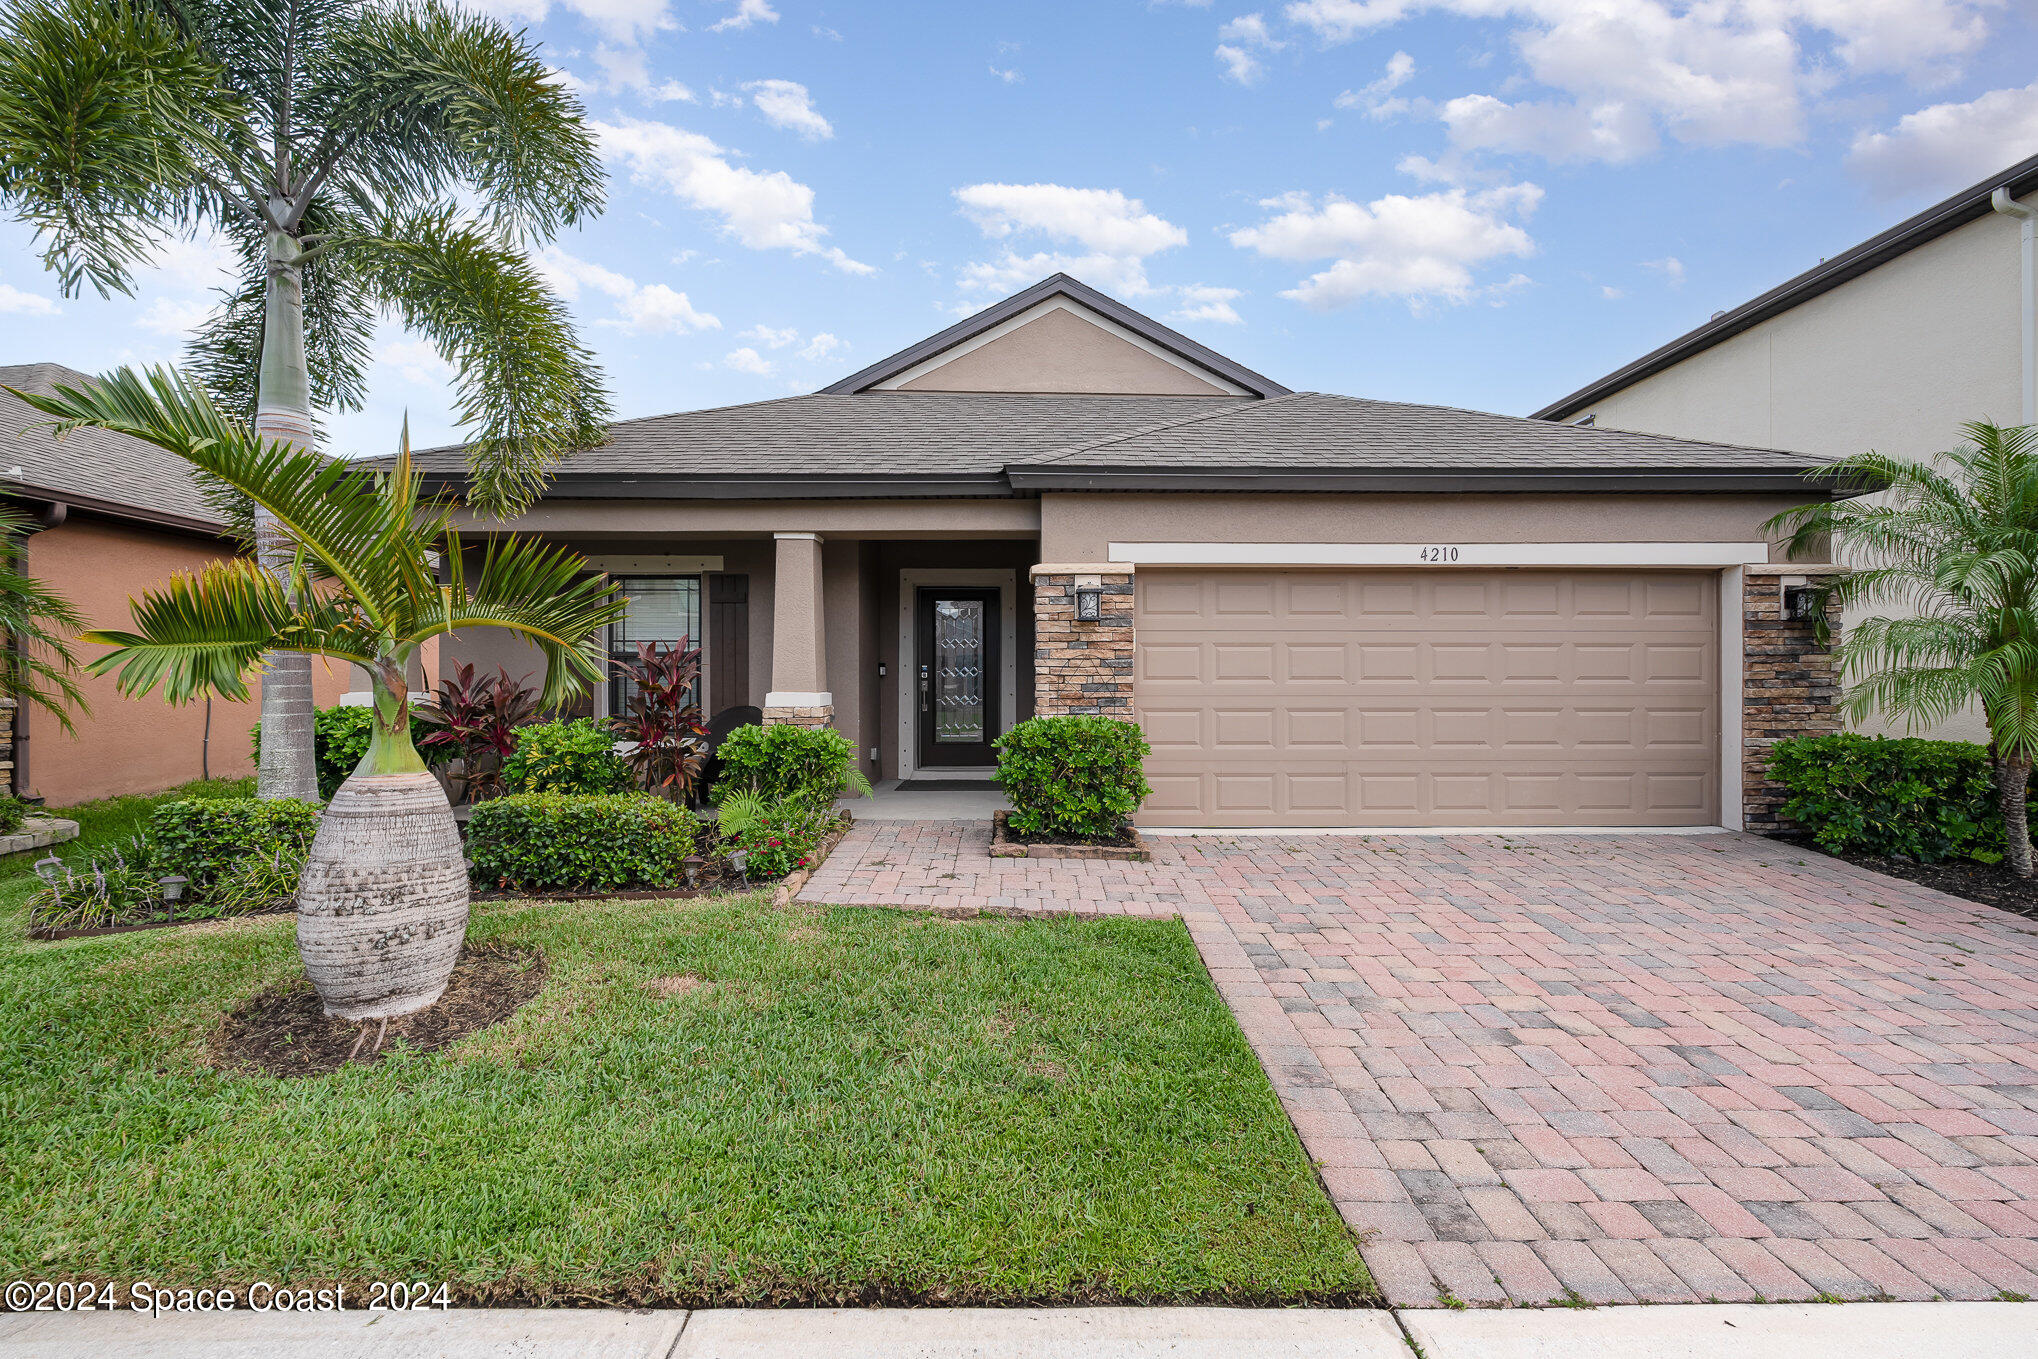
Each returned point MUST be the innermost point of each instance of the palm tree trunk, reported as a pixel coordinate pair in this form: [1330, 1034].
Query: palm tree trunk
[289, 763]
[382, 907]
[2013, 782]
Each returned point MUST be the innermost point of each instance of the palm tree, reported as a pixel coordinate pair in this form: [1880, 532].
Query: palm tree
[327, 140]
[383, 904]
[36, 625]
[1953, 542]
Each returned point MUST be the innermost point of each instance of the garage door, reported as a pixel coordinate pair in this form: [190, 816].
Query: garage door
[1429, 698]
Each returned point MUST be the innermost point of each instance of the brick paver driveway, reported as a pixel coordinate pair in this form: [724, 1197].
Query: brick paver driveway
[1657, 1068]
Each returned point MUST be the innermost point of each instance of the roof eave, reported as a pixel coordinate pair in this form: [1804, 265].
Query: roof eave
[1422, 480]
[1970, 204]
[778, 486]
[114, 509]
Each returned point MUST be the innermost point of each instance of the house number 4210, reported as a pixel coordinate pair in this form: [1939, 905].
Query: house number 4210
[1438, 554]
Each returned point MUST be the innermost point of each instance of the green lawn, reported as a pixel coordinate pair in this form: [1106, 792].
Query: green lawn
[869, 1106]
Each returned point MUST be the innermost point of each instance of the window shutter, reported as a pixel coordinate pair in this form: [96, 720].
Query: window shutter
[728, 641]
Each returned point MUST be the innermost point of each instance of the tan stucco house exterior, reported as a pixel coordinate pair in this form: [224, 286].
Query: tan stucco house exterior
[1891, 346]
[1323, 610]
[115, 516]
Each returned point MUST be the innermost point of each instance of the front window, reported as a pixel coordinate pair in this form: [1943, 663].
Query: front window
[663, 610]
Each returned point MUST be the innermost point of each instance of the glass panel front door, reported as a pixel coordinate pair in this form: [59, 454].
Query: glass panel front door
[957, 675]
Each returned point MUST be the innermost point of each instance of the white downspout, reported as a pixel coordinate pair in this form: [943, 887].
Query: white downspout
[2029, 217]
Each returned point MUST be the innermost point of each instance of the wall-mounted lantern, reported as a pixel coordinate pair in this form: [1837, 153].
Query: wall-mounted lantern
[1801, 603]
[1089, 606]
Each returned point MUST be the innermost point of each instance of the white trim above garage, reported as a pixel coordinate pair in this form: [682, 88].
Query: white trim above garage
[1686, 556]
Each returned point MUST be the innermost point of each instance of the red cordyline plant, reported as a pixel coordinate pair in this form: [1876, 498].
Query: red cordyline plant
[663, 718]
[478, 719]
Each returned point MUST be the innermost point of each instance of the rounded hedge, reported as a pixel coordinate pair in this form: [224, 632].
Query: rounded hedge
[1073, 778]
[566, 757]
[580, 843]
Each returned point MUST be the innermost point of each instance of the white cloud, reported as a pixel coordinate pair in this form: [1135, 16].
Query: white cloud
[762, 210]
[1615, 79]
[1377, 98]
[1010, 76]
[770, 338]
[1946, 146]
[17, 302]
[652, 309]
[748, 360]
[1611, 293]
[672, 92]
[1112, 235]
[827, 34]
[822, 346]
[418, 362]
[786, 104]
[196, 265]
[1670, 267]
[1202, 302]
[1239, 45]
[177, 316]
[1416, 247]
[748, 12]
[624, 21]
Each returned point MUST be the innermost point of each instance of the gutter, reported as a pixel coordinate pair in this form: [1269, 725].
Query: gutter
[657, 486]
[1425, 480]
[2002, 202]
[113, 509]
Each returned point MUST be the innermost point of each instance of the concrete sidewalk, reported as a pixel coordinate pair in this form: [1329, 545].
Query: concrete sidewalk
[1984, 1330]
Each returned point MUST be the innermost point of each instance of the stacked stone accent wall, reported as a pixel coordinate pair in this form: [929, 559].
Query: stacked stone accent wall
[823, 716]
[1790, 686]
[1082, 667]
[7, 706]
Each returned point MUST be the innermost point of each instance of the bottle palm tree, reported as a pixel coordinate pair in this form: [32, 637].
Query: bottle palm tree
[326, 139]
[382, 908]
[1953, 543]
[37, 624]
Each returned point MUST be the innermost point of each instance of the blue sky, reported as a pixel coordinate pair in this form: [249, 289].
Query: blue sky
[1481, 203]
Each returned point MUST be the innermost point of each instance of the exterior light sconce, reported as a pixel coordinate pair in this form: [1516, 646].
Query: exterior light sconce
[1089, 606]
[1801, 603]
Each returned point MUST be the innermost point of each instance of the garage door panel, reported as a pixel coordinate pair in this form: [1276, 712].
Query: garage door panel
[1429, 698]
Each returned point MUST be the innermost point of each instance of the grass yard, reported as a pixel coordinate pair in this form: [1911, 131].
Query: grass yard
[859, 1106]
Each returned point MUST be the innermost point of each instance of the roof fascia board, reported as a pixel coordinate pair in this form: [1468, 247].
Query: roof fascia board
[113, 509]
[1424, 482]
[1969, 205]
[777, 487]
[1145, 326]
[1033, 313]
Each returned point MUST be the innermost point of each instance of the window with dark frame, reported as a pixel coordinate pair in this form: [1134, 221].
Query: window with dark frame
[663, 610]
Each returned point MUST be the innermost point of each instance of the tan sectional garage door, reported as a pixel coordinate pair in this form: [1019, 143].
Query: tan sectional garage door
[1418, 698]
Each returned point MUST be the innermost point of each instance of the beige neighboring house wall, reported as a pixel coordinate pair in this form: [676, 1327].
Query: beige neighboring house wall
[1893, 360]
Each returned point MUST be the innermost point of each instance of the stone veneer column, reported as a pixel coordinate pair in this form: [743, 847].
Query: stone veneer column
[799, 640]
[1082, 667]
[1790, 685]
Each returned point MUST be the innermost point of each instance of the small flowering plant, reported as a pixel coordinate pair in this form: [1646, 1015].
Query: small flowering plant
[776, 839]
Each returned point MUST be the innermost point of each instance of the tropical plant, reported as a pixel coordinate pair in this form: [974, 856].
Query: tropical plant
[1073, 777]
[383, 905]
[340, 736]
[768, 840]
[119, 887]
[575, 756]
[663, 719]
[330, 142]
[1951, 545]
[781, 761]
[476, 720]
[40, 668]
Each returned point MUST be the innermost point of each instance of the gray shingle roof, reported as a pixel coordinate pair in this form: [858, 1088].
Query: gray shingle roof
[866, 434]
[1314, 430]
[89, 465]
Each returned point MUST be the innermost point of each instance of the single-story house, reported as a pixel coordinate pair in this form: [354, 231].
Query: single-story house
[114, 516]
[1323, 610]
[1890, 345]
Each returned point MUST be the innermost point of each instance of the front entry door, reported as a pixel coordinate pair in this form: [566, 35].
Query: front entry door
[956, 673]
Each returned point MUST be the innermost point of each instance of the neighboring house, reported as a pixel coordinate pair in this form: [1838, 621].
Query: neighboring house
[1891, 346]
[117, 516]
[1324, 611]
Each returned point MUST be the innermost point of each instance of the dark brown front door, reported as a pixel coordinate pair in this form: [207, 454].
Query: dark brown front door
[956, 676]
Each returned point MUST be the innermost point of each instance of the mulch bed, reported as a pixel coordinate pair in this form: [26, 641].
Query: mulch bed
[284, 1031]
[1007, 843]
[1990, 884]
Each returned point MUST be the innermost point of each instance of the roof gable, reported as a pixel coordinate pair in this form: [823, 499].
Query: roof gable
[1063, 337]
[95, 469]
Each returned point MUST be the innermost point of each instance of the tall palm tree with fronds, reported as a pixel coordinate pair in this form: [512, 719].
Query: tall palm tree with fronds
[330, 141]
[37, 665]
[1952, 545]
[375, 573]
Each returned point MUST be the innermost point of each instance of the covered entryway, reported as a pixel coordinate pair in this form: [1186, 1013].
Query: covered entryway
[1444, 697]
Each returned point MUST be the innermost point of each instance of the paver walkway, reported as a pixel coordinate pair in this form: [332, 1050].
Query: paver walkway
[1634, 1068]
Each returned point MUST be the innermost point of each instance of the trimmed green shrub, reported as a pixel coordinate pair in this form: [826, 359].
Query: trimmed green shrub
[339, 740]
[566, 757]
[13, 811]
[576, 843]
[1073, 778]
[205, 840]
[1924, 800]
[780, 761]
[774, 838]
